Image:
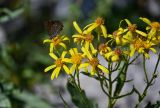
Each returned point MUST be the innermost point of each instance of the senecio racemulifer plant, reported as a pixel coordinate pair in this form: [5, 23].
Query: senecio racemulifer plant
[120, 49]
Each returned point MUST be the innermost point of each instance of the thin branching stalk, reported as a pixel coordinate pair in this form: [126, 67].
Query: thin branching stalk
[144, 68]
[149, 83]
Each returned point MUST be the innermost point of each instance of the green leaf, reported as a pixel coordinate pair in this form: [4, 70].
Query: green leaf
[31, 100]
[121, 80]
[78, 96]
[4, 102]
[156, 105]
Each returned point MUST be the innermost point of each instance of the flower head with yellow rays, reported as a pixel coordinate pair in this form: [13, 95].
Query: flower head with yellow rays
[99, 23]
[58, 65]
[119, 37]
[56, 41]
[154, 28]
[114, 55]
[142, 47]
[76, 59]
[93, 62]
[132, 31]
[85, 38]
[104, 48]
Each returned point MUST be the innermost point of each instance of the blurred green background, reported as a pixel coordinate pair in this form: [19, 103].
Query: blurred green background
[23, 56]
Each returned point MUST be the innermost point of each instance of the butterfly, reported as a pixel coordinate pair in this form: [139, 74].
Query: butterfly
[54, 27]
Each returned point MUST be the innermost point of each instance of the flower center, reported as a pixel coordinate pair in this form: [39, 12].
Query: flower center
[155, 25]
[59, 62]
[99, 21]
[132, 27]
[76, 59]
[56, 40]
[115, 33]
[147, 45]
[118, 51]
[89, 38]
[103, 48]
[138, 43]
[94, 62]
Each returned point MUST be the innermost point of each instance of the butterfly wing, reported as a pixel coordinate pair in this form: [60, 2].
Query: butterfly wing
[53, 27]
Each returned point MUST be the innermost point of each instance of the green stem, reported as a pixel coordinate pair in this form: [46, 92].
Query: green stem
[78, 80]
[144, 67]
[65, 103]
[101, 83]
[121, 78]
[149, 83]
[134, 59]
[110, 105]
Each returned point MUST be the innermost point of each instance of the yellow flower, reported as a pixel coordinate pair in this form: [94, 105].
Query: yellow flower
[56, 41]
[141, 47]
[93, 62]
[99, 22]
[58, 65]
[85, 38]
[76, 59]
[132, 31]
[104, 48]
[119, 36]
[113, 55]
[154, 28]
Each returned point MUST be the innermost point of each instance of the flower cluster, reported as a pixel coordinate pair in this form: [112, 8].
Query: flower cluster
[93, 41]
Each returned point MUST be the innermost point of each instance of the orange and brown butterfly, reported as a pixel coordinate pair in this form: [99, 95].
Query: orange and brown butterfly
[54, 27]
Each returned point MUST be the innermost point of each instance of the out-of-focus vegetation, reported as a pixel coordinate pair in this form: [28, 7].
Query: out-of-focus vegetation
[23, 55]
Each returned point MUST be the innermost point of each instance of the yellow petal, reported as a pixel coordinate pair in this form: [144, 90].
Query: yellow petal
[118, 42]
[141, 50]
[53, 56]
[66, 69]
[76, 26]
[115, 58]
[146, 20]
[65, 38]
[67, 60]
[72, 69]
[87, 45]
[75, 50]
[128, 22]
[51, 47]
[104, 69]
[154, 50]
[152, 33]
[87, 53]
[92, 27]
[93, 49]
[47, 40]
[132, 50]
[88, 26]
[63, 54]
[92, 70]
[63, 45]
[71, 52]
[83, 65]
[147, 55]
[147, 28]
[55, 73]
[104, 30]
[108, 55]
[49, 68]
[78, 36]
[141, 33]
